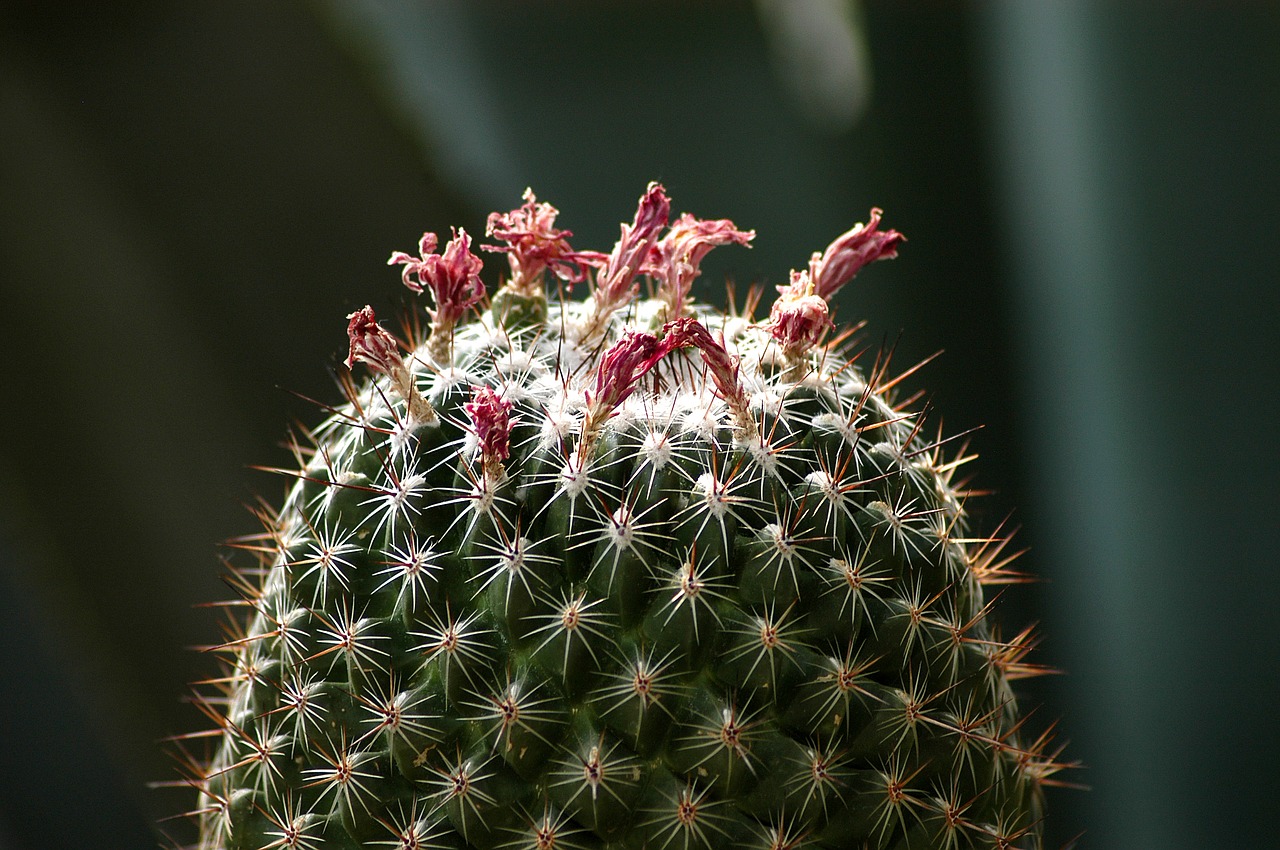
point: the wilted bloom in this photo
(799, 318)
(426, 248)
(802, 313)
(491, 422)
(850, 251)
(675, 259)
(534, 244)
(615, 281)
(371, 344)
(626, 361)
(687, 332)
(453, 279)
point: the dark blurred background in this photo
(194, 194)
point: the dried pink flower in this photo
(534, 244)
(622, 365)
(426, 248)
(491, 422)
(371, 344)
(849, 253)
(453, 278)
(675, 259)
(615, 282)
(625, 363)
(687, 332)
(801, 315)
(799, 318)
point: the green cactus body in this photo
(619, 573)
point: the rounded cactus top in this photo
(619, 572)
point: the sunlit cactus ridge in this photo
(618, 572)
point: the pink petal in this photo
(675, 260)
(371, 344)
(626, 361)
(491, 421)
(615, 283)
(850, 252)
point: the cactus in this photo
(619, 572)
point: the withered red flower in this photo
(675, 259)
(799, 318)
(615, 282)
(849, 253)
(491, 422)
(687, 332)
(371, 344)
(453, 277)
(802, 313)
(626, 361)
(535, 244)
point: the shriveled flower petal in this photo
(675, 259)
(615, 283)
(801, 315)
(846, 256)
(687, 332)
(534, 243)
(371, 344)
(453, 277)
(799, 318)
(454, 280)
(491, 422)
(626, 361)
(426, 247)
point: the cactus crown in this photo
(619, 572)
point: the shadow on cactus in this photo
(619, 572)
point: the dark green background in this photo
(194, 194)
